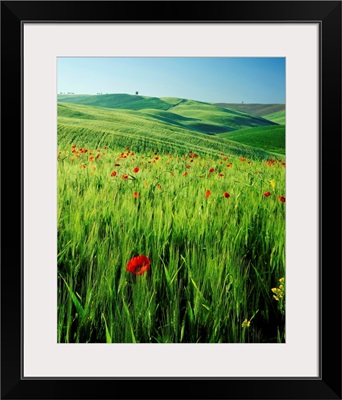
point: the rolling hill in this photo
(253, 109)
(161, 124)
(270, 138)
(271, 112)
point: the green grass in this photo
(214, 260)
(120, 101)
(254, 109)
(188, 114)
(278, 117)
(268, 138)
(94, 126)
(133, 173)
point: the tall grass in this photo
(216, 245)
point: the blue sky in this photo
(208, 79)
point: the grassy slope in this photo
(278, 117)
(161, 123)
(121, 101)
(189, 114)
(271, 138)
(93, 126)
(254, 109)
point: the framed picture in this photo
(170, 206)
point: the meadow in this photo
(166, 241)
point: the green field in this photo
(254, 109)
(208, 213)
(278, 117)
(270, 138)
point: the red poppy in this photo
(138, 265)
(226, 195)
(220, 175)
(124, 176)
(187, 166)
(267, 194)
(207, 193)
(211, 170)
(136, 169)
(136, 195)
(282, 199)
(113, 173)
(195, 155)
(73, 146)
(185, 174)
(242, 159)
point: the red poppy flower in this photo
(207, 193)
(136, 195)
(282, 199)
(220, 175)
(242, 159)
(138, 265)
(124, 176)
(113, 173)
(185, 174)
(267, 194)
(211, 170)
(136, 169)
(226, 195)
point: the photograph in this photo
(173, 178)
(171, 199)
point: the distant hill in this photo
(189, 114)
(260, 110)
(278, 117)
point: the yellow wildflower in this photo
(272, 182)
(246, 323)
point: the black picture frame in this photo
(328, 384)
